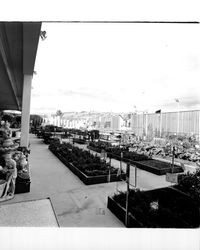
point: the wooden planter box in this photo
(156, 170)
(79, 141)
(22, 187)
(120, 211)
(176, 187)
(94, 149)
(145, 166)
(89, 180)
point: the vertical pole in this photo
(178, 120)
(160, 124)
(199, 125)
(137, 125)
(127, 194)
(173, 155)
(121, 156)
(26, 99)
(135, 176)
(177, 100)
(110, 161)
(146, 127)
(143, 131)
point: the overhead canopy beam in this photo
(4, 50)
(18, 48)
(31, 33)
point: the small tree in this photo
(59, 114)
(36, 120)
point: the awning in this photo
(18, 48)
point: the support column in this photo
(26, 99)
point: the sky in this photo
(117, 68)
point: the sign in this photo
(183, 166)
(173, 178)
(103, 154)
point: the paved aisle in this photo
(75, 204)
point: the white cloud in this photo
(116, 66)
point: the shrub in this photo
(87, 163)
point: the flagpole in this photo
(160, 124)
(127, 194)
(178, 114)
(121, 156)
(146, 127)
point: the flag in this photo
(158, 111)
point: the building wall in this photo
(115, 123)
(105, 122)
(163, 124)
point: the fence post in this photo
(135, 176)
(127, 194)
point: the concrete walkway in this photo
(75, 204)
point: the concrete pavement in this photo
(75, 204)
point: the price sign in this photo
(173, 178)
(103, 154)
(183, 166)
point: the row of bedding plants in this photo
(85, 164)
(189, 183)
(158, 208)
(47, 133)
(187, 148)
(158, 167)
(140, 160)
(79, 140)
(171, 207)
(115, 151)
